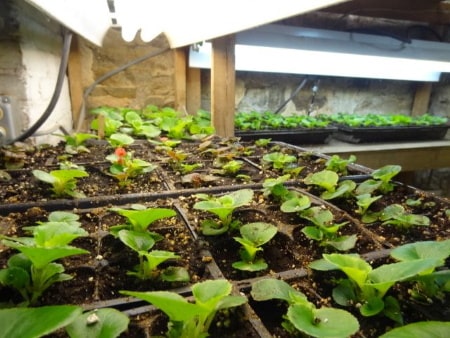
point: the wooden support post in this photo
(193, 90)
(75, 79)
(223, 85)
(421, 99)
(180, 65)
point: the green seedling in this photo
(364, 201)
(181, 126)
(339, 165)
(176, 159)
(200, 126)
(279, 161)
(325, 230)
(296, 202)
(149, 260)
(366, 287)
(110, 125)
(396, 215)
(253, 236)
(140, 220)
(229, 168)
(33, 270)
(275, 188)
(383, 120)
(139, 127)
(269, 120)
(98, 323)
(68, 165)
(124, 167)
(120, 140)
(367, 187)
(431, 284)
(223, 207)
(188, 319)
(14, 155)
(385, 175)
(435, 329)
(38, 321)
(302, 315)
(263, 142)
(63, 181)
(75, 143)
(420, 203)
(328, 180)
(198, 179)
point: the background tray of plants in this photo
(296, 129)
(356, 128)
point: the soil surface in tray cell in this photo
(288, 249)
(102, 273)
(24, 187)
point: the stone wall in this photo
(266, 91)
(30, 54)
(147, 82)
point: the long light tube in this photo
(282, 49)
(183, 22)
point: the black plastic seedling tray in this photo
(390, 134)
(297, 136)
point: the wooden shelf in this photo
(411, 156)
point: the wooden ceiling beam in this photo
(435, 12)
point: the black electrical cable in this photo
(56, 93)
(102, 78)
(301, 85)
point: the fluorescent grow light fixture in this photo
(295, 50)
(183, 22)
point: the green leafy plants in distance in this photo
(223, 207)
(140, 126)
(302, 315)
(63, 181)
(111, 125)
(253, 236)
(192, 319)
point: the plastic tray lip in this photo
(290, 135)
(343, 127)
(371, 134)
